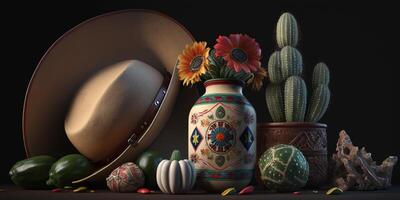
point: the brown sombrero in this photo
(132, 41)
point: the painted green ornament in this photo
(220, 113)
(220, 160)
(283, 168)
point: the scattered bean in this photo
(334, 191)
(247, 190)
(297, 193)
(57, 190)
(143, 191)
(228, 191)
(80, 189)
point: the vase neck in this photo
(223, 86)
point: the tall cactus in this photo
(295, 99)
(320, 75)
(286, 31)
(319, 103)
(291, 62)
(287, 94)
(274, 68)
(274, 96)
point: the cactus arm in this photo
(319, 103)
(274, 98)
(320, 75)
(295, 99)
(274, 68)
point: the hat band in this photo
(151, 112)
(145, 122)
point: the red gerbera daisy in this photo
(241, 52)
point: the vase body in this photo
(309, 138)
(222, 136)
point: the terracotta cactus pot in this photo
(310, 138)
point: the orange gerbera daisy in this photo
(241, 52)
(192, 63)
(257, 80)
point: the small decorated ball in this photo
(125, 178)
(283, 168)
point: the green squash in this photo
(67, 169)
(32, 173)
(283, 168)
(148, 162)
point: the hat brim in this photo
(144, 35)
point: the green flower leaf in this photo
(216, 60)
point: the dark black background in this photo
(357, 41)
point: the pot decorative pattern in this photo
(222, 136)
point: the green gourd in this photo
(286, 30)
(295, 99)
(32, 173)
(274, 68)
(291, 62)
(67, 169)
(148, 162)
(320, 75)
(319, 103)
(274, 97)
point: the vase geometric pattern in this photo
(247, 138)
(226, 175)
(214, 98)
(196, 138)
(222, 137)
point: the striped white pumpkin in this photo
(175, 176)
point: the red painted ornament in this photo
(126, 178)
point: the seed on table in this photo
(143, 191)
(247, 190)
(57, 190)
(228, 191)
(334, 191)
(80, 189)
(297, 193)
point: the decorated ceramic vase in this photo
(222, 136)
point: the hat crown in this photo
(110, 104)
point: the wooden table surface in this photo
(12, 192)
